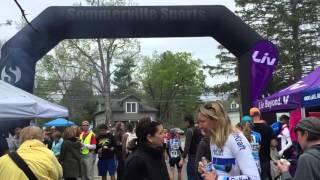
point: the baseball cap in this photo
(310, 124)
(254, 110)
(173, 131)
(246, 119)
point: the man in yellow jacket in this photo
(36, 155)
(88, 140)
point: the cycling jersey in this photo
(174, 146)
(234, 161)
(255, 146)
(285, 138)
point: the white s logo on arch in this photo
(13, 77)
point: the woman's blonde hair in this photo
(31, 132)
(216, 112)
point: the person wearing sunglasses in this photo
(230, 150)
(147, 160)
(308, 133)
(88, 142)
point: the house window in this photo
(131, 107)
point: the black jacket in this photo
(266, 136)
(146, 163)
(118, 141)
(109, 143)
(193, 137)
(70, 158)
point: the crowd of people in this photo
(213, 150)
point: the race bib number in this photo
(174, 154)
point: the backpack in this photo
(276, 128)
(131, 136)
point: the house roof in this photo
(127, 97)
(117, 105)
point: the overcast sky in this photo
(203, 48)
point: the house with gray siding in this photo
(232, 106)
(126, 109)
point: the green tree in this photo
(173, 82)
(101, 53)
(123, 78)
(56, 70)
(64, 77)
(80, 100)
(293, 25)
(227, 67)
(90, 60)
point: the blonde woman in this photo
(230, 150)
(40, 160)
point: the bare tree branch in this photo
(95, 86)
(97, 67)
(85, 54)
(24, 15)
(113, 71)
(104, 69)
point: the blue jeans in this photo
(191, 171)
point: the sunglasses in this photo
(214, 106)
(85, 125)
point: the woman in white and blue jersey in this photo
(230, 150)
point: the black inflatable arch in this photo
(20, 54)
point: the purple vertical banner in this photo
(264, 59)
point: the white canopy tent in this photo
(18, 104)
